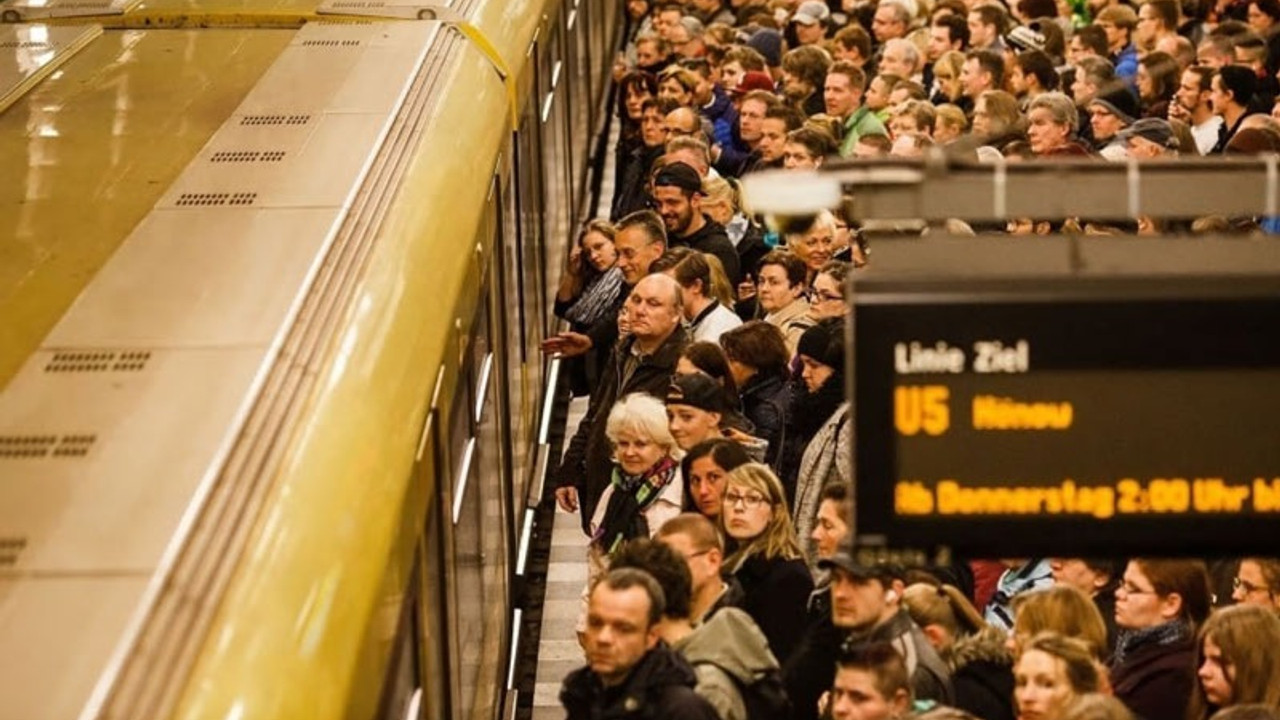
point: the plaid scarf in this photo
(632, 495)
(1169, 633)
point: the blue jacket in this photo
(722, 115)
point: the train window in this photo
(401, 692)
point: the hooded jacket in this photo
(712, 239)
(728, 651)
(659, 686)
(722, 115)
(982, 675)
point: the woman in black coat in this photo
(767, 562)
(757, 355)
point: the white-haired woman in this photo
(646, 489)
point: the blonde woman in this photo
(766, 562)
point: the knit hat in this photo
(1118, 100)
(698, 390)
(824, 343)
(1026, 37)
(754, 80)
(767, 42)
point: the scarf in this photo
(632, 495)
(596, 299)
(1169, 633)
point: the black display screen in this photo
(1085, 421)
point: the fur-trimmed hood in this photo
(987, 645)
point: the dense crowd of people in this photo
(711, 470)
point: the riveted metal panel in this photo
(200, 277)
(134, 455)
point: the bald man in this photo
(642, 362)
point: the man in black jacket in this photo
(866, 607)
(642, 362)
(677, 191)
(630, 672)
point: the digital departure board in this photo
(1118, 398)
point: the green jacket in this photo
(861, 122)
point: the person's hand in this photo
(739, 436)
(567, 498)
(567, 344)
(1178, 112)
(823, 701)
(573, 265)
(619, 67)
(746, 288)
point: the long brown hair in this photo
(1248, 637)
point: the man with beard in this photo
(1191, 105)
(677, 193)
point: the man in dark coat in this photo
(677, 190)
(630, 672)
(866, 608)
(642, 362)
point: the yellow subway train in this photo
(272, 412)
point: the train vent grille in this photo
(85, 5)
(357, 5)
(330, 43)
(25, 45)
(32, 447)
(98, 361)
(10, 548)
(275, 119)
(215, 199)
(247, 156)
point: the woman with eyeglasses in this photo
(1256, 583)
(1159, 606)
(775, 580)
(827, 300)
(1237, 661)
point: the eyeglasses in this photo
(1239, 583)
(749, 502)
(828, 297)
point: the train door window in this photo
(402, 691)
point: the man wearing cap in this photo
(1230, 94)
(1150, 138)
(810, 22)
(866, 608)
(1191, 105)
(677, 194)
(1110, 111)
(842, 93)
(1118, 22)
